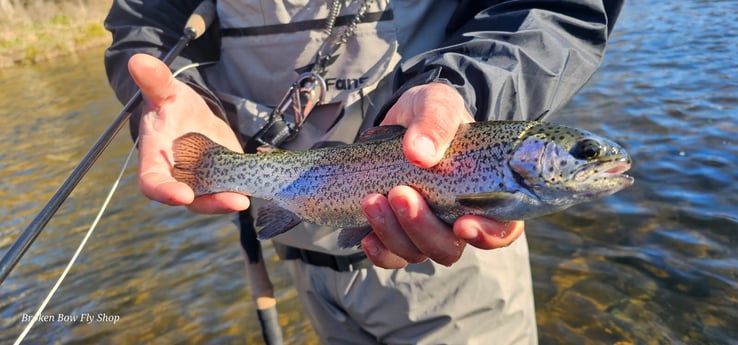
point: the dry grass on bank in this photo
(36, 30)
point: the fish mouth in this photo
(612, 171)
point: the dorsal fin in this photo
(324, 144)
(381, 132)
(540, 117)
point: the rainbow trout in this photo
(504, 170)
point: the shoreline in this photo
(43, 31)
(30, 56)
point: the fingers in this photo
(486, 233)
(380, 255)
(432, 114)
(164, 189)
(175, 109)
(157, 183)
(407, 229)
(155, 166)
(388, 230)
(219, 203)
(428, 233)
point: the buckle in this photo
(342, 264)
(306, 92)
(339, 263)
(350, 263)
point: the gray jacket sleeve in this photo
(516, 59)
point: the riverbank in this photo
(40, 30)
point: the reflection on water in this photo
(654, 264)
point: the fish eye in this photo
(586, 149)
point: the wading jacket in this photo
(509, 60)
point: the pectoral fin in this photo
(351, 237)
(488, 200)
(275, 221)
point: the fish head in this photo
(563, 166)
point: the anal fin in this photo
(275, 220)
(351, 237)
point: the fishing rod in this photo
(196, 25)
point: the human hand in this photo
(405, 229)
(174, 109)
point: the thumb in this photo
(438, 110)
(153, 77)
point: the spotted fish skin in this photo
(507, 170)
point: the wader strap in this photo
(338, 263)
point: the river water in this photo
(654, 264)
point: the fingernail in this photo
(425, 145)
(375, 213)
(501, 234)
(370, 247)
(401, 206)
(501, 231)
(475, 234)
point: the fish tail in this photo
(189, 155)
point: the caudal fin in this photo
(189, 154)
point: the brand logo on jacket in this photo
(345, 83)
(342, 83)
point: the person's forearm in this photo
(518, 59)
